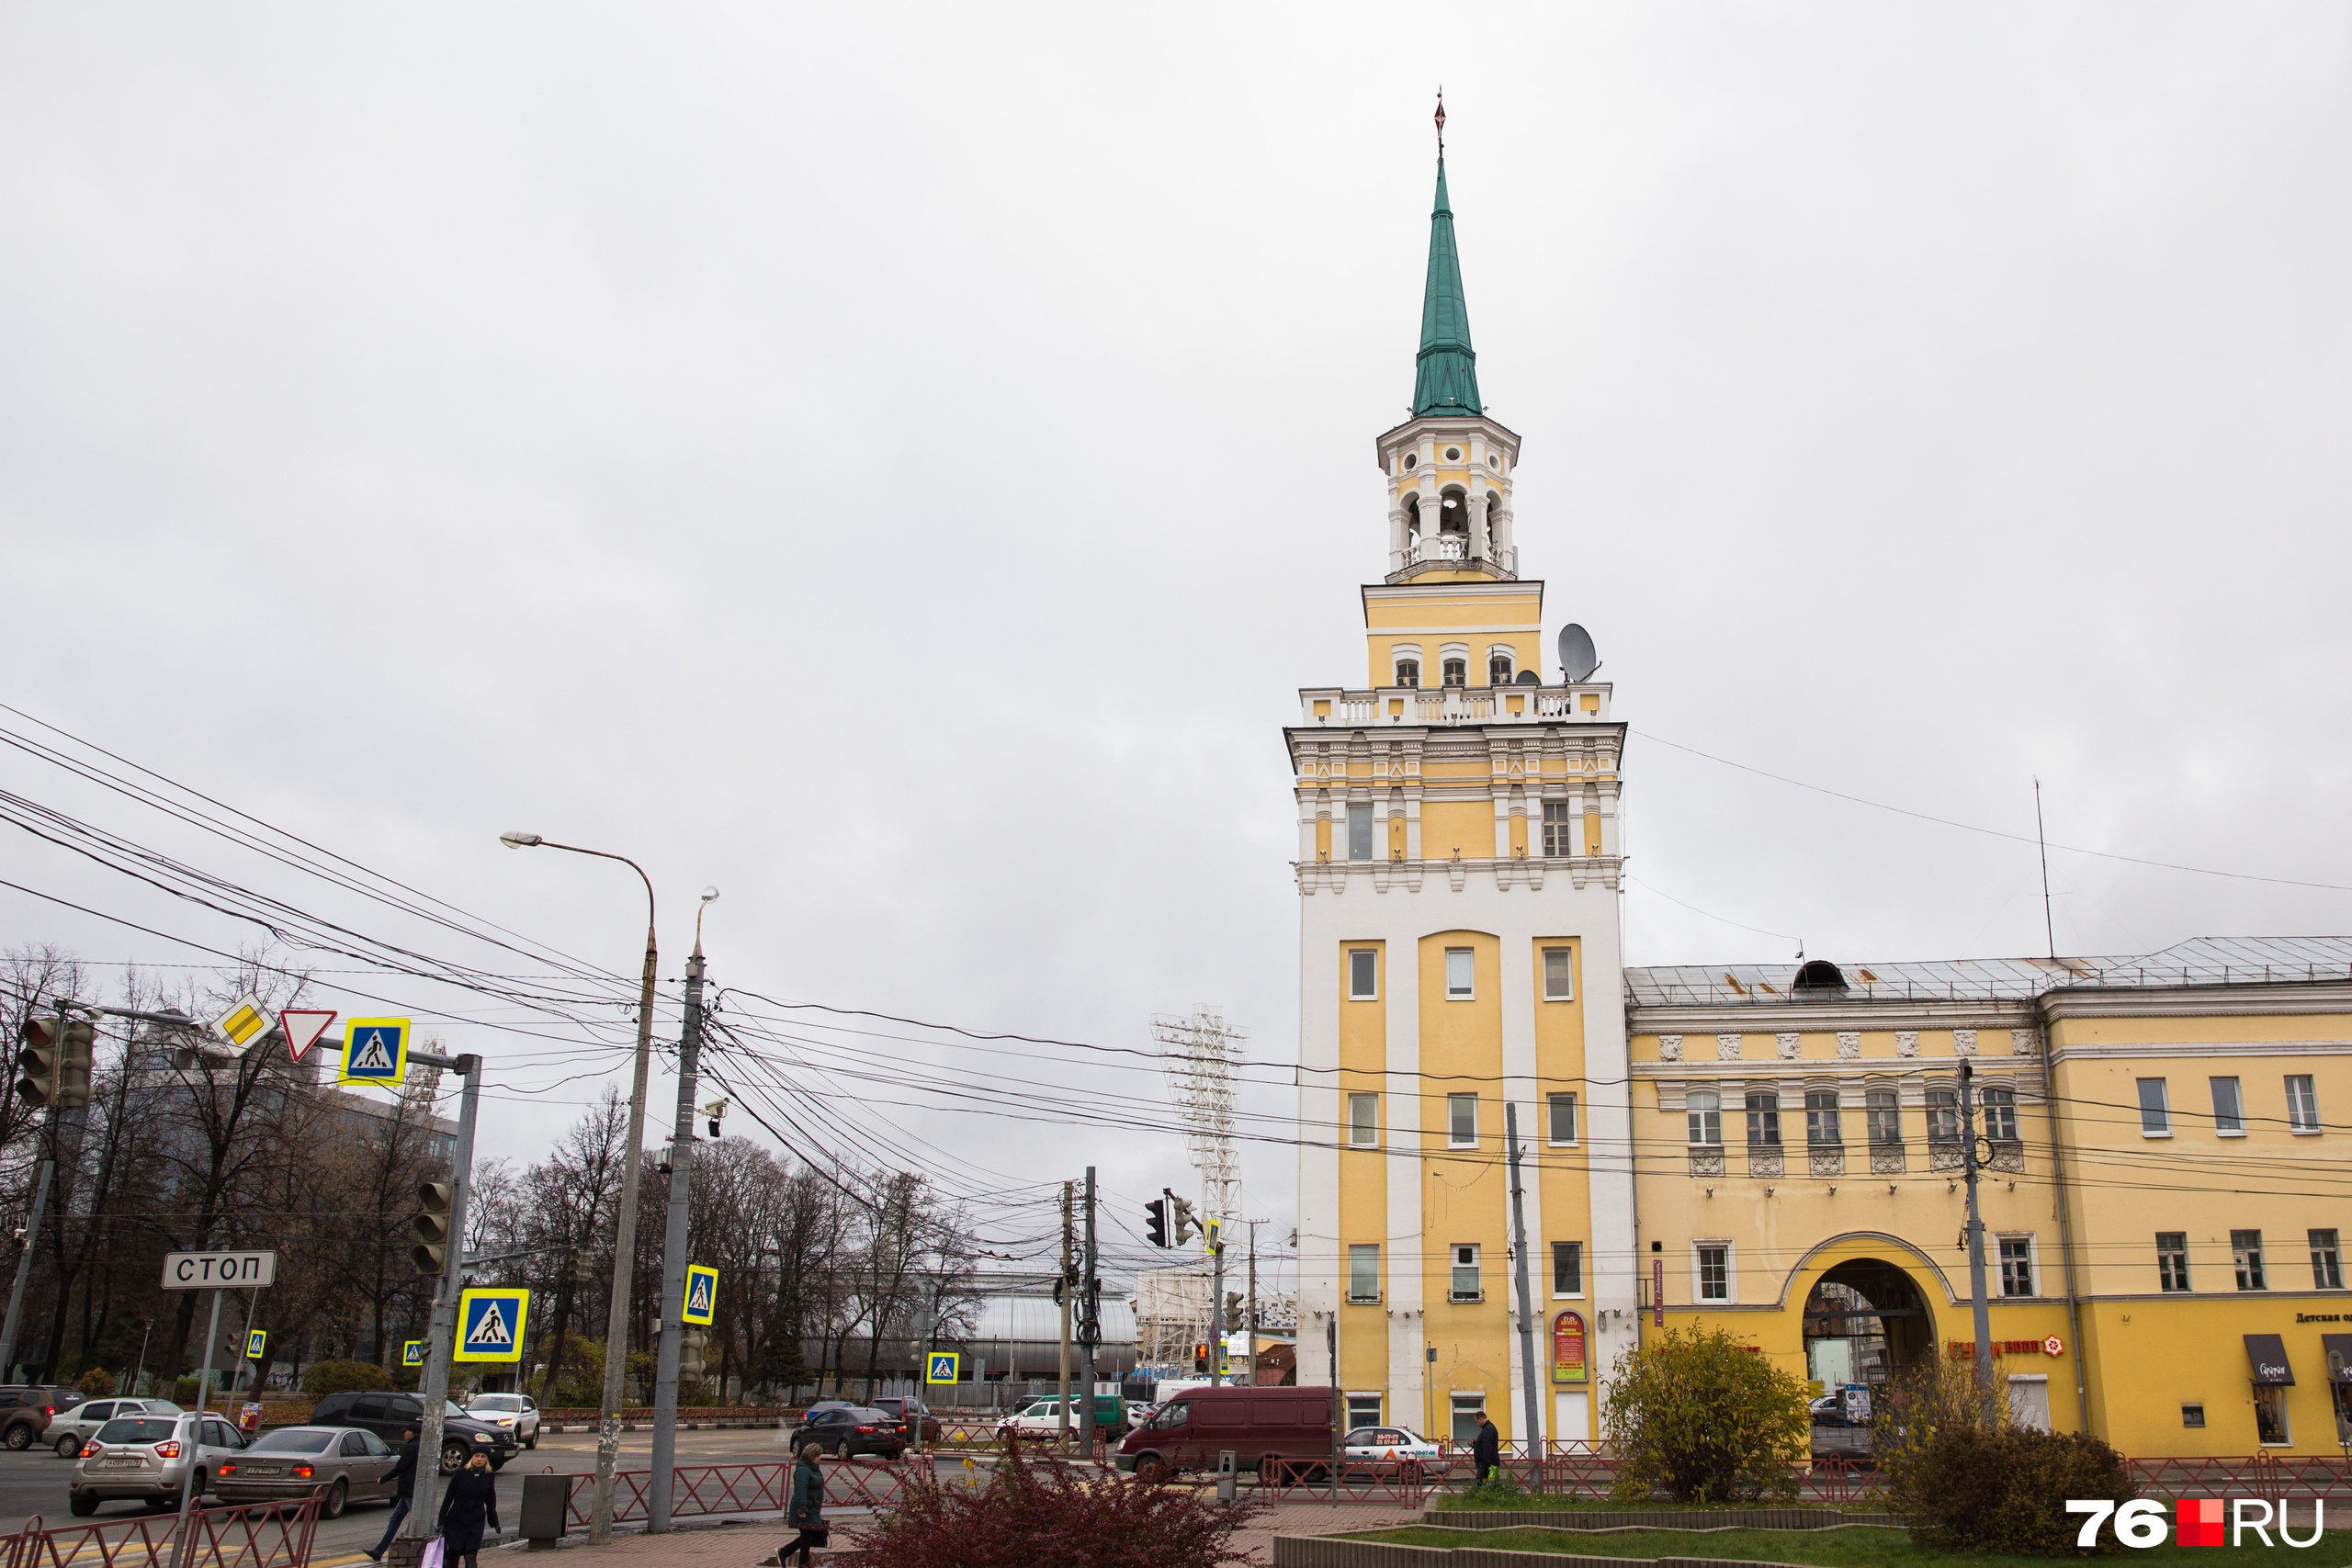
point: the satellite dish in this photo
(1578, 659)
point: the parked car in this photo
(68, 1430)
(147, 1458)
(1255, 1423)
(343, 1464)
(1385, 1443)
(1044, 1416)
(908, 1412)
(847, 1430)
(389, 1415)
(515, 1412)
(26, 1409)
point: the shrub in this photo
(1500, 1490)
(97, 1381)
(1695, 1414)
(1933, 1397)
(323, 1378)
(2005, 1490)
(1046, 1514)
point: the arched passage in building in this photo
(1866, 1321)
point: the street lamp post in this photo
(608, 1412)
(674, 1244)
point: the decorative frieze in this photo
(1906, 1042)
(1669, 1047)
(1787, 1041)
(2021, 1041)
(1765, 1160)
(1964, 1041)
(1707, 1161)
(1849, 1045)
(1829, 1160)
(1727, 1048)
(1887, 1159)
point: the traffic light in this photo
(1200, 1358)
(1235, 1320)
(1156, 1226)
(432, 1222)
(40, 1052)
(583, 1266)
(74, 1064)
(1187, 1228)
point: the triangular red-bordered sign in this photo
(303, 1026)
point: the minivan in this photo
(1193, 1428)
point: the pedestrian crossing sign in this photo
(942, 1367)
(412, 1353)
(255, 1343)
(702, 1295)
(375, 1050)
(490, 1324)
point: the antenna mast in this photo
(1201, 1052)
(2049, 932)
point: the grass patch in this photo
(1855, 1546)
(1536, 1502)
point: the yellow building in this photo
(1778, 1151)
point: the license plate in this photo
(263, 1470)
(132, 1463)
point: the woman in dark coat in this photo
(470, 1503)
(806, 1509)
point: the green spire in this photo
(1446, 380)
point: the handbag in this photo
(818, 1534)
(431, 1557)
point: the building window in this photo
(1563, 1108)
(1409, 672)
(1363, 1271)
(2270, 1427)
(2246, 1247)
(1943, 1116)
(1714, 1264)
(1706, 1114)
(2303, 1104)
(1821, 1129)
(1461, 975)
(2172, 1260)
(2192, 1416)
(1455, 672)
(2017, 1266)
(1363, 974)
(1559, 842)
(1559, 965)
(1465, 1408)
(2001, 1115)
(1763, 1119)
(1464, 1286)
(1884, 1116)
(1499, 671)
(2155, 1110)
(1461, 1119)
(1567, 1268)
(2327, 1269)
(1363, 1120)
(2229, 1109)
(1360, 831)
(1364, 1409)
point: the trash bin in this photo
(547, 1508)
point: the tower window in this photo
(1409, 672)
(1559, 975)
(1499, 671)
(1453, 453)
(1556, 840)
(1360, 829)
(1363, 974)
(1454, 513)
(1493, 461)
(1456, 672)
(1413, 461)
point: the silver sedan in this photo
(343, 1464)
(147, 1458)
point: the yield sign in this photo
(303, 1026)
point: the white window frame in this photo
(1402, 653)
(1567, 993)
(2335, 1259)
(2160, 1110)
(1355, 1099)
(1731, 1272)
(1558, 1294)
(1453, 1139)
(1562, 846)
(2230, 1124)
(2240, 1275)
(2032, 1264)
(1355, 1399)
(1469, 990)
(2295, 1123)
(1371, 830)
(2188, 1278)
(1368, 995)
(1699, 1119)
(1354, 1250)
(1551, 1121)
(1454, 1252)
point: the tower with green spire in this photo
(1445, 378)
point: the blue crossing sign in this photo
(490, 1324)
(255, 1343)
(942, 1367)
(702, 1295)
(412, 1353)
(375, 1050)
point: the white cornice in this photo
(2256, 999)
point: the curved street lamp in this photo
(608, 1413)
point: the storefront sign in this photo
(1567, 1348)
(1965, 1349)
(2268, 1354)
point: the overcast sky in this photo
(898, 466)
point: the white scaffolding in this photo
(1201, 1055)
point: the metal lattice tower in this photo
(1201, 1052)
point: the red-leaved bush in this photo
(1044, 1513)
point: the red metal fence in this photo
(1399, 1482)
(705, 1490)
(244, 1535)
(2277, 1477)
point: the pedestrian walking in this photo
(404, 1474)
(472, 1502)
(806, 1509)
(1485, 1449)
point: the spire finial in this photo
(1441, 122)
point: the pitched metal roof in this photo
(1445, 378)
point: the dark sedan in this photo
(845, 1431)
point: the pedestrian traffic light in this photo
(1156, 1228)
(1187, 1228)
(432, 1222)
(1235, 1320)
(1200, 1358)
(40, 1052)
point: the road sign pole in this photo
(245, 1345)
(24, 1267)
(673, 1257)
(194, 1440)
(441, 1338)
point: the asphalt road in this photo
(35, 1481)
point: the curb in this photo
(1687, 1519)
(1323, 1552)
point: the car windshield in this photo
(1174, 1415)
(160, 1407)
(296, 1441)
(451, 1407)
(138, 1429)
(863, 1415)
(502, 1403)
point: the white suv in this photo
(515, 1412)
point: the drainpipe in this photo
(2065, 1226)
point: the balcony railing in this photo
(1333, 707)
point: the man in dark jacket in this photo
(404, 1473)
(1485, 1449)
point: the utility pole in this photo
(67, 1110)
(1216, 1302)
(674, 1243)
(1089, 1325)
(1069, 1288)
(1249, 1317)
(1526, 1306)
(441, 1338)
(1983, 1311)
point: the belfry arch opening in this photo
(1866, 1321)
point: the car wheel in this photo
(19, 1437)
(841, 1448)
(453, 1455)
(331, 1506)
(68, 1446)
(1151, 1470)
(82, 1506)
(532, 1442)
